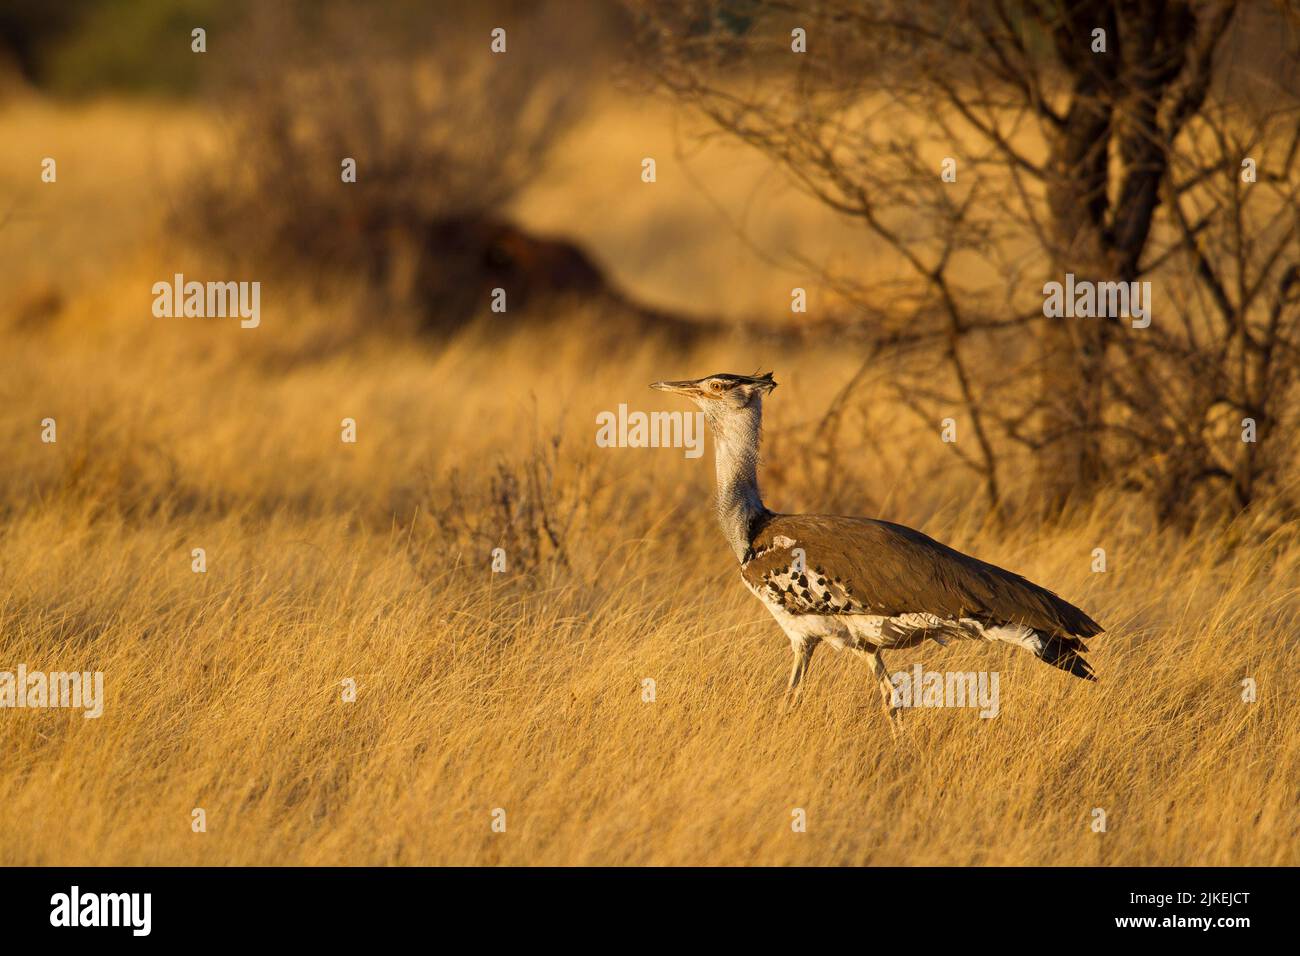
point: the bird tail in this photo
(1066, 653)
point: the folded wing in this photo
(865, 566)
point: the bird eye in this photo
(716, 386)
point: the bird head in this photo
(718, 395)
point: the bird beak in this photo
(681, 388)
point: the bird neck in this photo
(735, 444)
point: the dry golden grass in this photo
(522, 691)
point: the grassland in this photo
(523, 691)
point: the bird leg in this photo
(803, 652)
(877, 661)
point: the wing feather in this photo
(889, 569)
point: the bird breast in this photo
(806, 590)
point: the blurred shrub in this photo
(443, 133)
(29, 28)
(94, 46)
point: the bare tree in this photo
(1099, 138)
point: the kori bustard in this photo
(859, 583)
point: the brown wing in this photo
(877, 567)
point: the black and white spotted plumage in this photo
(869, 574)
